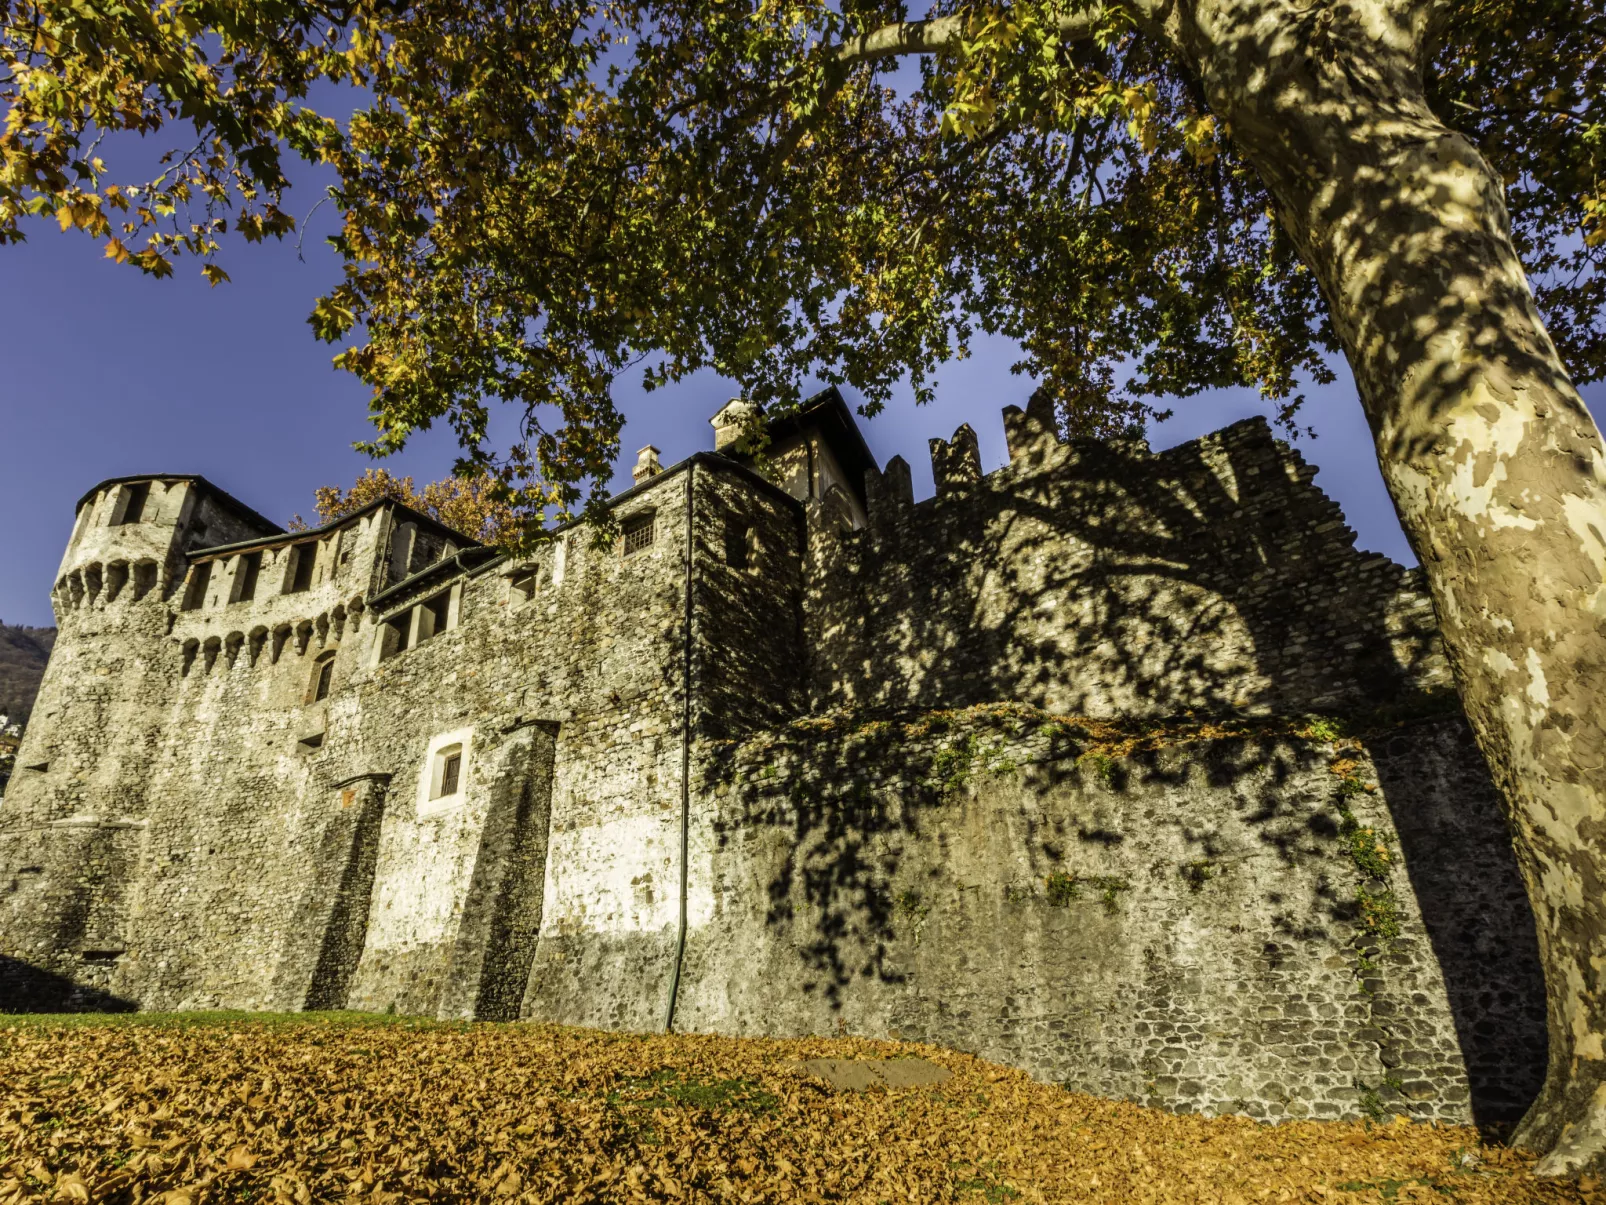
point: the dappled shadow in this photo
(918, 867)
(1103, 579)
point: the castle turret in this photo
(75, 805)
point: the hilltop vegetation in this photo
(23, 653)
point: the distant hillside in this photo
(23, 653)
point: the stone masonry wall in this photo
(1178, 926)
(1103, 579)
(288, 853)
(1177, 918)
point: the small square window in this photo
(638, 533)
(446, 776)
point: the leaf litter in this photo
(192, 1109)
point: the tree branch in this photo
(930, 36)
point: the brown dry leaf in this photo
(72, 1188)
(321, 1109)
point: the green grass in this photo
(671, 1088)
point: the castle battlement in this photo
(793, 751)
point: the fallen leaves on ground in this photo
(189, 1112)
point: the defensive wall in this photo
(1045, 767)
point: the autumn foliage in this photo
(189, 1111)
(474, 506)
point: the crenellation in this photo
(790, 753)
(956, 462)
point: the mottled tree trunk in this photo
(1496, 468)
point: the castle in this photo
(1035, 768)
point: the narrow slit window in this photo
(245, 577)
(638, 533)
(200, 579)
(326, 674)
(447, 776)
(737, 536)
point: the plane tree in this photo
(1153, 197)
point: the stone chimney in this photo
(646, 464)
(735, 419)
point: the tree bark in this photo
(1496, 468)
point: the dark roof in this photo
(223, 496)
(313, 533)
(829, 413)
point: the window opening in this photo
(245, 577)
(638, 532)
(736, 538)
(134, 500)
(447, 772)
(396, 638)
(523, 586)
(326, 673)
(433, 613)
(301, 573)
(200, 579)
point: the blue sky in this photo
(109, 372)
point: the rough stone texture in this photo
(202, 817)
(1103, 579)
(904, 883)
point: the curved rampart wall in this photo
(1181, 925)
(1103, 579)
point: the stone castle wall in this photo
(200, 828)
(1178, 926)
(1104, 579)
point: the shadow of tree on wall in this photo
(866, 807)
(30, 989)
(1099, 578)
(1492, 973)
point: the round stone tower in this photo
(74, 822)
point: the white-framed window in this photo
(443, 779)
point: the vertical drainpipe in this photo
(685, 767)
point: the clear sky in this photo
(109, 372)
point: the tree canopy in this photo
(475, 506)
(539, 197)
